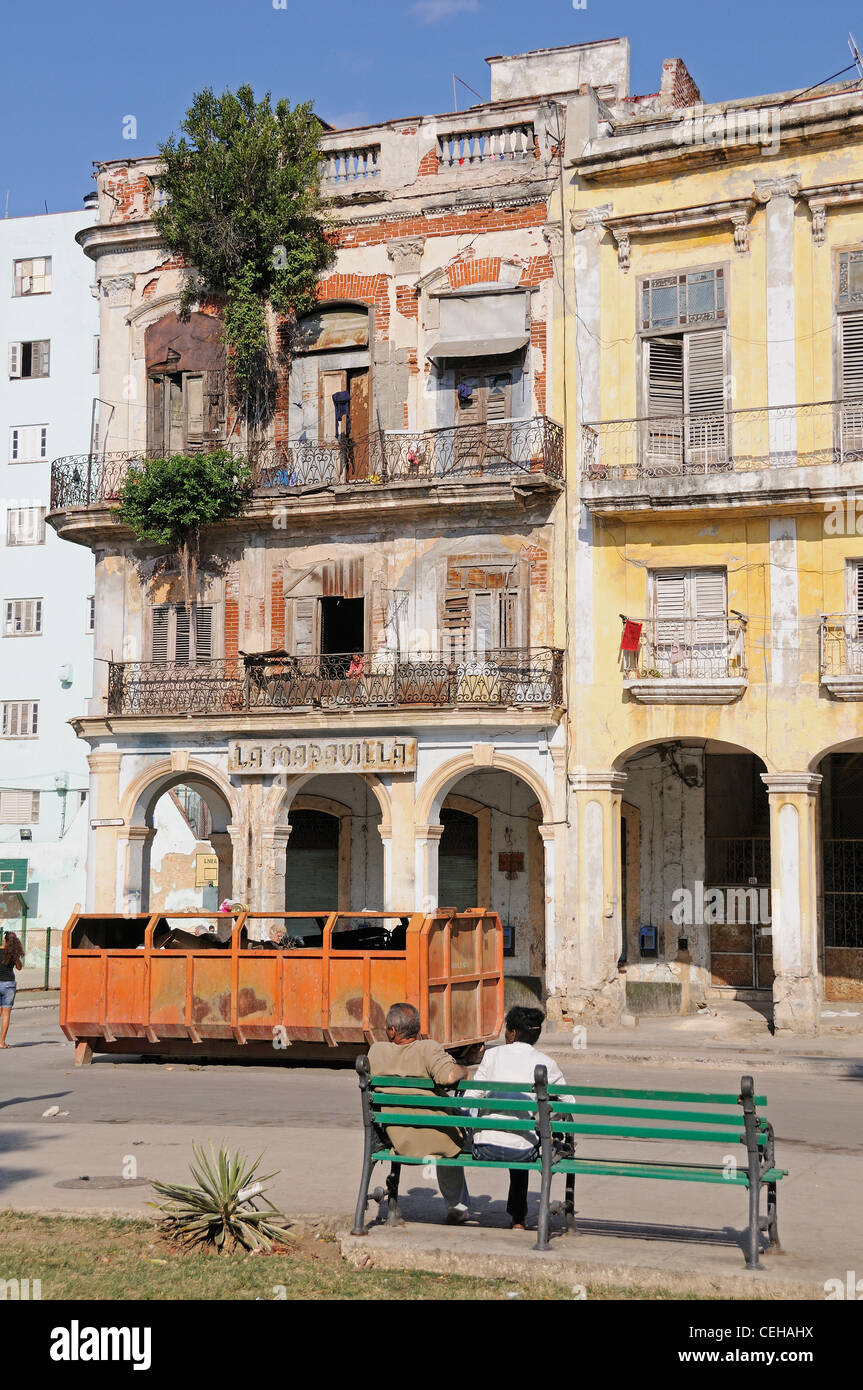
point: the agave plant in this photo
(220, 1210)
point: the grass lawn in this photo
(104, 1258)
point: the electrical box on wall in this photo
(647, 942)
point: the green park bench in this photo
(561, 1114)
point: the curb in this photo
(721, 1058)
(532, 1266)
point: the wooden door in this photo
(358, 454)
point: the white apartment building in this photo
(48, 379)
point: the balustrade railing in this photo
(356, 164)
(523, 677)
(840, 643)
(732, 441)
(486, 145)
(709, 648)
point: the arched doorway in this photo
(490, 855)
(335, 856)
(181, 858)
(695, 849)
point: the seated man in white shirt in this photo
(514, 1062)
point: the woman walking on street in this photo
(11, 959)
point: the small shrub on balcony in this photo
(168, 500)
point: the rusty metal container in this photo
(287, 985)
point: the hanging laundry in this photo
(736, 653)
(464, 392)
(342, 403)
(631, 636)
(676, 652)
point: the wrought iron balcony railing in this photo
(841, 644)
(520, 678)
(507, 448)
(732, 441)
(711, 648)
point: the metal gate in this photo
(741, 945)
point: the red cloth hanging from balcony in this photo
(631, 636)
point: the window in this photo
(182, 413)
(20, 719)
(684, 371)
(175, 639)
(32, 276)
(91, 613)
(23, 617)
(688, 622)
(19, 807)
(25, 526)
(28, 443)
(849, 308)
(30, 359)
(479, 620)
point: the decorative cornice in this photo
(610, 781)
(791, 783)
(654, 690)
(590, 217)
(553, 236)
(826, 196)
(117, 289)
(735, 212)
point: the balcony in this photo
(726, 459)
(513, 451)
(689, 661)
(524, 678)
(840, 647)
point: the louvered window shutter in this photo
(855, 627)
(705, 378)
(456, 625)
(497, 398)
(852, 356)
(203, 634)
(39, 359)
(182, 630)
(709, 605)
(303, 620)
(664, 392)
(160, 636)
(509, 616)
(669, 607)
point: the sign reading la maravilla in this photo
(299, 755)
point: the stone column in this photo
(779, 196)
(427, 844)
(400, 884)
(273, 866)
(103, 869)
(793, 882)
(133, 856)
(223, 850)
(587, 983)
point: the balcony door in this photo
(179, 637)
(688, 625)
(483, 409)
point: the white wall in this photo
(59, 573)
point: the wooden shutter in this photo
(302, 616)
(213, 405)
(509, 619)
(156, 415)
(40, 358)
(328, 384)
(852, 356)
(193, 390)
(203, 634)
(176, 413)
(15, 359)
(456, 625)
(471, 411)
(669, 607)
(484, 635)
(498, 387)
(664, 395)
(708, 605)
(159, 647)
(705, 378)
(182, 636)
(19, 807)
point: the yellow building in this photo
(714, 413)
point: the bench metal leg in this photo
(359, 1227)
(569, 1205)
(772, 1216)
(394, 1216)
(542, 1224)
(753, 1235)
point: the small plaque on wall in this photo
(511, 863)
(508, 940)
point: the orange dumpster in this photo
(283, 985)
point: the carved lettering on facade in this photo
(299, 755)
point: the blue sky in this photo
(71, 72)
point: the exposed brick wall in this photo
(406, 301)
(538, 558)
(538, 268)
(277, 597)
(150, 288)
(474, 272)
(366, 289)
(678, 87)
(428, 164)
(444, 224)
(232, 617)
(131, 194)
(538, 340)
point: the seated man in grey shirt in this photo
(405, 1053)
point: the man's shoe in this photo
(457, 1216)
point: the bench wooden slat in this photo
(418, 1083)
(463, 1161)
(699, 1117)
(452, 1122)
(696, 1136)
(692, 1097)
(465, 1103)
(631, 1168)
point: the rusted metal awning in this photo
(477, 347)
